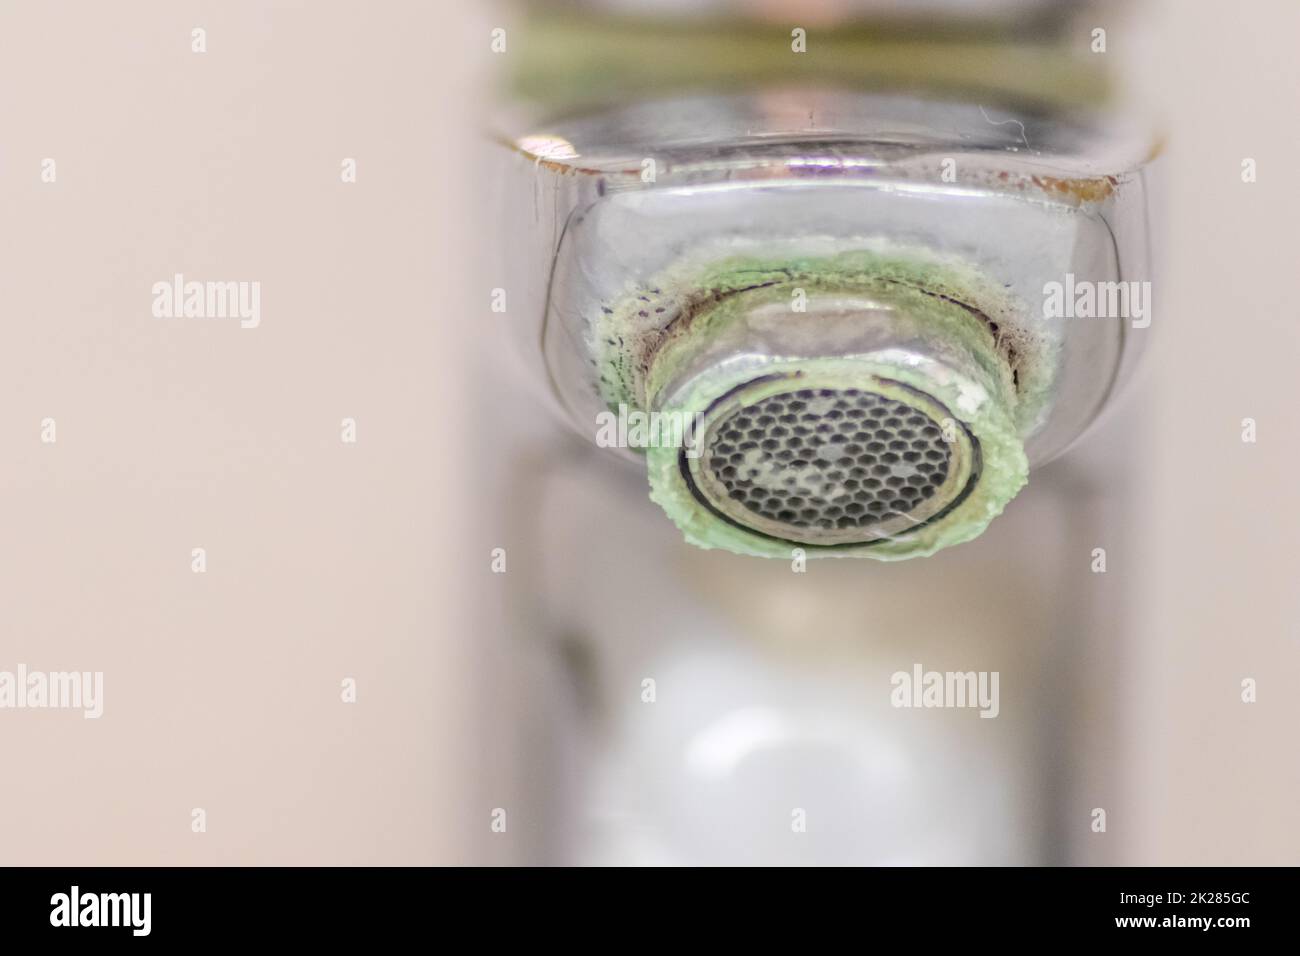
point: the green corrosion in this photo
(629, 335)
(968, 373)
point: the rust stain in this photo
(1080, 190)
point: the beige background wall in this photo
(325, 560)
(1215, 780)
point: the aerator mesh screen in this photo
(824, 459)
